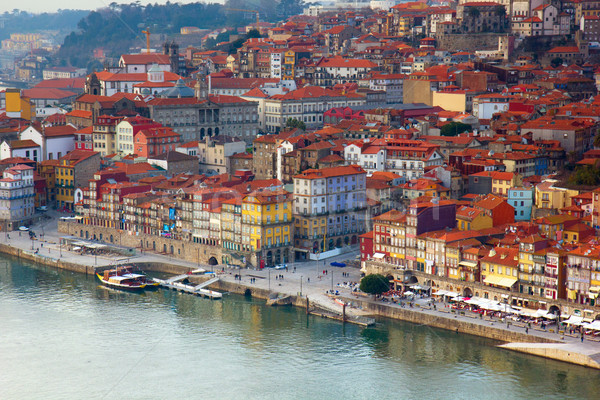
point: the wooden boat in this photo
(124, 278)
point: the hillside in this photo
(119, 27)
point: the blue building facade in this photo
(522, 199)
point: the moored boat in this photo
(124, 278)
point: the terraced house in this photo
(329, 208)
(267, 226)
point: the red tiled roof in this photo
(145, 59)
(341, 62)
(330, 172)
(222, 99)
(564, 49)
(42, 93)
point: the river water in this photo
(62, 336)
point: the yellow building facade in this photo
(267, 225)
(64, 183)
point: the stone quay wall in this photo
(447, 322)
(188, 251)
(479, 289)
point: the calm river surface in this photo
(62, 336)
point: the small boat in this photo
(124, 278)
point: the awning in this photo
(440, 292)
(378, 255)
(469, 264)
(500, 281)
(574, 320)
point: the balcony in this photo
(549, 285)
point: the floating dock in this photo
(174, 283)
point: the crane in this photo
(147, 33)
(250, 11)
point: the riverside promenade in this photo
(307, 279)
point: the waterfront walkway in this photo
(304, 278)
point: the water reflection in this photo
(239, 348)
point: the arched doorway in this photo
(338, 243)
(286, 257)
(554, 310)
(269, 258)
(315, 246)
(212, 261)
(354, 239)
(467, 292)
(278, 257)
(330, 244)
(346, 240)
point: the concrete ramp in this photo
(207, 283)
(574, 353)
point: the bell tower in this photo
(201, 87)
(92, 85)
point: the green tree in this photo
(555, 62)
(454, 129)
(474, 12)
(374, 284)
(587, 175)
(287, 8)
(294, 123)
(253, 33)
(597, 140)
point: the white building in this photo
(486, 105)
(17, 197)
(407, 158)
(392, 85)
(276, 64)
(21, 148)
(136, 63)
(371, 158)
(63, 72)
(334, 70)
(55, 141)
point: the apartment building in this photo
(329, 208)
(16, 197)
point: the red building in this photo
(154, 141)
(498, 208)
(366, 246)
(84, 139)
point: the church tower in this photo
(201, 87)
(92, 85)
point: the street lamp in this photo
(60, 247)
(300, 285)
(269, 272)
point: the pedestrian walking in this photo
(526, 329)
(581, 337)
(294, 269)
